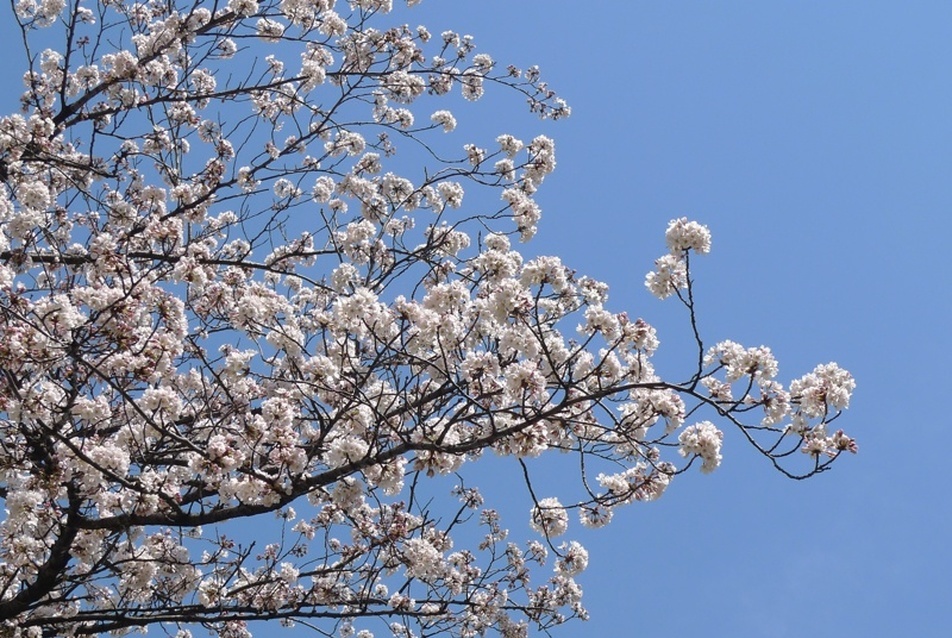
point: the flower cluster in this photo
(671, 270)
(704, 440)
(224, 295)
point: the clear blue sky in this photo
(815, 139)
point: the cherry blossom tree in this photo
(241, 285)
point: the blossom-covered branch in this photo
(247, 271)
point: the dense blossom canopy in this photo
(240, 278)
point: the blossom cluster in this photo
(671, 270)
(225, 296)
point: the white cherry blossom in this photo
(261, 319)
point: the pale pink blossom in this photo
(687, 235)
(549, 518)
(258, 311)
(445, 119)
(704, 440)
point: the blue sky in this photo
(815, 139)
